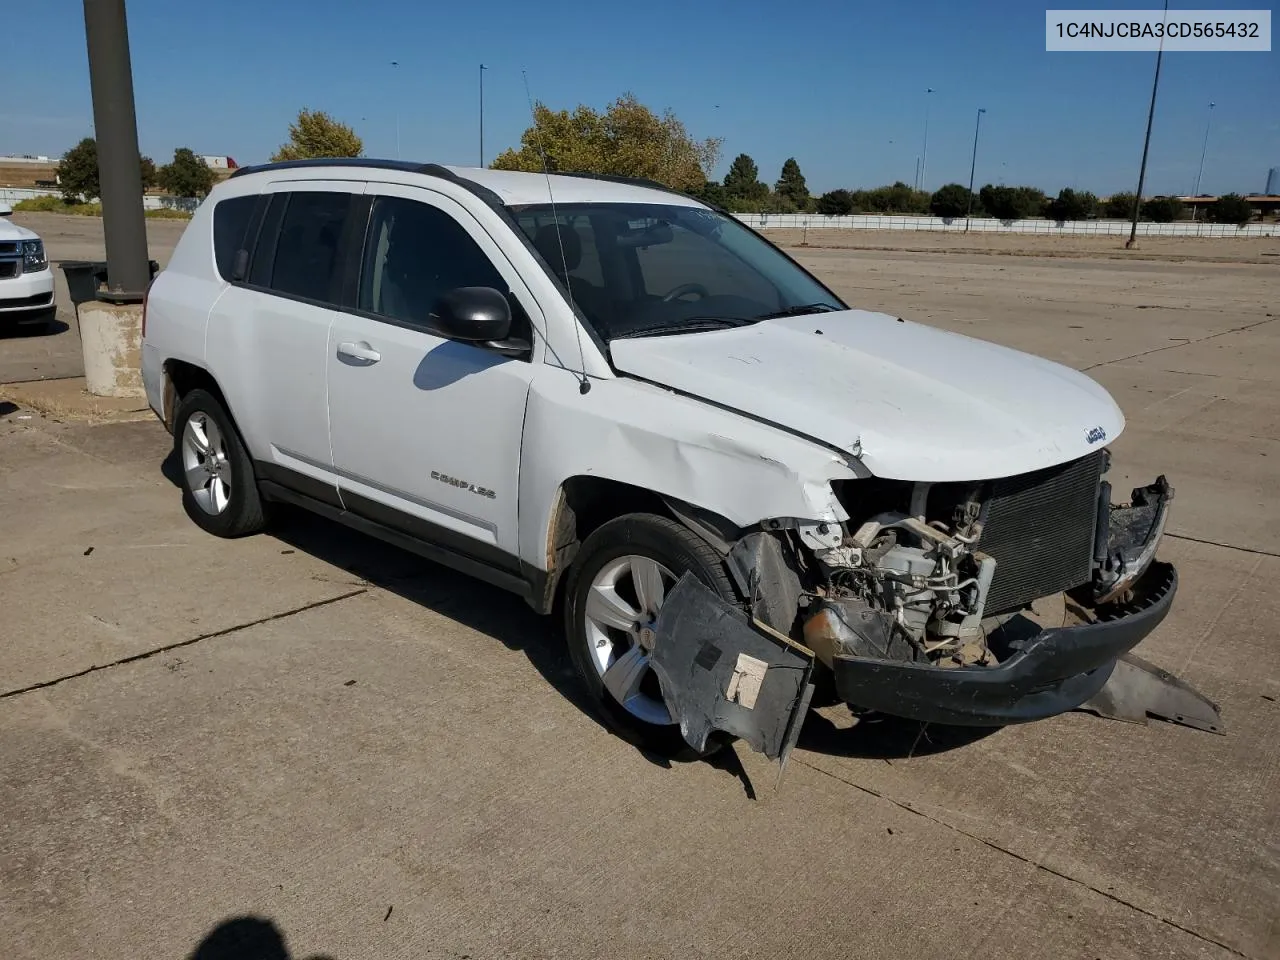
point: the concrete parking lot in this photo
(381, 758)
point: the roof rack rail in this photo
(614, 178)
(406, 166)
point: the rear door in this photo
(426, 431)
(268, 333)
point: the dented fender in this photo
(676, 446)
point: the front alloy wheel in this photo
(615, 591)
(622, 609)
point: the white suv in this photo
(26, 281)
(614, 400)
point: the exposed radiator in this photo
(1039, 527)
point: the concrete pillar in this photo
(111, 335)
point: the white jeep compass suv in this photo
(618, 402)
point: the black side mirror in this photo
(472, 314)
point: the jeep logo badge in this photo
(1095, 434)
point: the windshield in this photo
(646, 269)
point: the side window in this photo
(230, 221)
(416, 253)
(306, 261)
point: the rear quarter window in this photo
(230, 223)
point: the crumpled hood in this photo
(11, 231)
(911, 401)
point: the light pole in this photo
(973, 165)
(1203, 150)
(119, 166)
(1146, 143)
(924, 153)
(395, 88)
(482, 69)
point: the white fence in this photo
(1075, 228)
(12, 195)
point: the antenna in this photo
(584, 385)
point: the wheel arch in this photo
(586, 502)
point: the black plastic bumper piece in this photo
(1053, 672)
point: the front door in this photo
(426, 431)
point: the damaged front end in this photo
(984, 603)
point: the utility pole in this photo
(1146, 143)
(119, 162)
(924, 153)
(396, 90)
(1203, 150)
(973, 166)
(482, 70)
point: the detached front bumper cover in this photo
(1055, 671)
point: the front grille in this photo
(9, 248)
(9, 268)
(1039, 528)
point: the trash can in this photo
(84, 277)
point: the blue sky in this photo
(839, 85)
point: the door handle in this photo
(360, 352)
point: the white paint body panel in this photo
(25, 285)
(432, 406)
(914, 402)
(674, 445)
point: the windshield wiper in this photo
(799, 311)
(687, 325)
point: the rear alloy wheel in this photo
(616, 589)
(219, 489)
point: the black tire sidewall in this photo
(677, 549)
(244, 509)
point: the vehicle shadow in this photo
(465, 600)
(31, 330)
(244, 938)
(882, 737)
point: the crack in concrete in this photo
(1175, 346)
(146, 654)
(1224, 546)
(902, 805)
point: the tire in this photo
(227, 502)
(611, 560)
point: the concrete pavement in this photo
(384, 758)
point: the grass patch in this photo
(58, 205)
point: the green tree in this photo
(1118, 206)
(950, 201)
(186, 176)
(791, 185)
(711, 193)
(1011, 203)
(1162, 209)
(1070, 205)
(897, 198)
(316, 134)
(1230, 208)
(149, 173)
(836, 203)
(78, 172)
(742, 187)
(627, 140)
